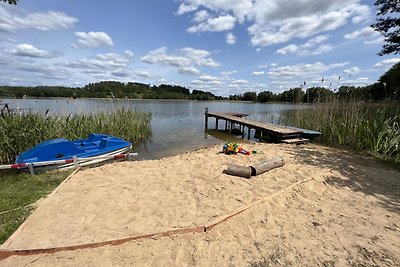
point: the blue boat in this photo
(96, 145)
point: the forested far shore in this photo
(387, 87)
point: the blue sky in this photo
(221, 46)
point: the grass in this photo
(21, 132)
(18, 191)
(363, 127)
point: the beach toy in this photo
(230, 148)
(244, 151)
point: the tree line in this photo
(387, 87)
(109, 89)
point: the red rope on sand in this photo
(4, 254)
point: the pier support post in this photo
(248, 133)
(206, 118)
(216, 123)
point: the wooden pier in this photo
(274, 132)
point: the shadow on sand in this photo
(362, 174)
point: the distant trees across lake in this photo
(387, 87)
(109, 89)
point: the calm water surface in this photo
(177, 126)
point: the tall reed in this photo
(21, 132)
(374, 128)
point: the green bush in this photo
(374, 128)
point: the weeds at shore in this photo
(372, 128)
(21, 132)
(17, 194)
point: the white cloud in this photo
(365, 32)
(183, 8)
(353, 70)
(387, 63)
(278, 21)
(228, 73)
(185, 60)
(239, 8)
(289, 49)
(302, 70)
(129, 53)
(101, 62)
(311, 47)
(27, 50)
(257, 73)
(39, 21)
(218, 24)
(200, 16)
(379, 40)
(188, 70)
(240, 82)
(230, 38)
(93, 39)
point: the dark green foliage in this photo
(265, 97)
(292, 96)
(250, 96)
(388, 24)
(11, 2)
(318, 95)
(108, 89)
(391, 82)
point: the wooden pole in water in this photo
(206, 118)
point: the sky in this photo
(221, 46)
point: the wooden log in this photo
(267, 165)
(239, 170)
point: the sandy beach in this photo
(324, 207)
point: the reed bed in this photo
(21, 132)
(364, 127)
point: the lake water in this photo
(177, 126)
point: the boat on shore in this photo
(62, 153)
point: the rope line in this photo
(4, 253)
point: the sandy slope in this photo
(346, 213)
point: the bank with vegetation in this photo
(387, 87)
(21, 132)
(372, 128)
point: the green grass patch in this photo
(17, 191)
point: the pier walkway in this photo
(274, 132)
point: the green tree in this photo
(11, 2)
(250, 96)
(391, 82)
(265, 96)
(388, 26)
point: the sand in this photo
(324, 207)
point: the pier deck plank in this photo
(276, 130)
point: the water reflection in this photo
(177, 126)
